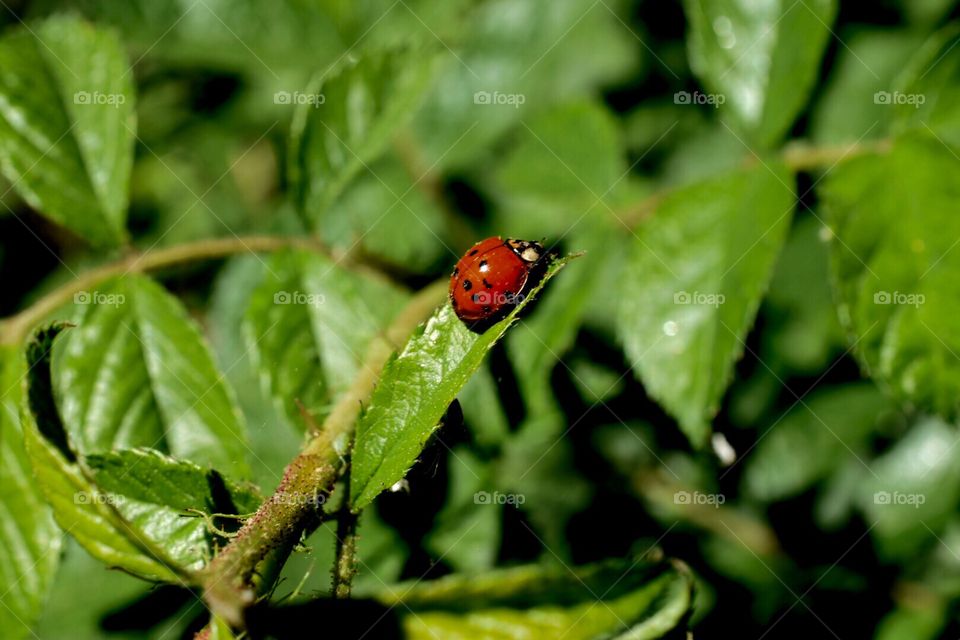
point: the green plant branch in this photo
(14, 329)
(292, 510)
(797, 155)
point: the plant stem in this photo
(798, 156)
(14, 329)
(345, 558)
(291, 511)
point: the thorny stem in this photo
(345, 558)
(291, 511)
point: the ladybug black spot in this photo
(456, 271)
(487, 284)
(473, 253)
(467, 285)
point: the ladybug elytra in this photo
(493, 277)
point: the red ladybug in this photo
(493, 276)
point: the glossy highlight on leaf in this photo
(165, 390)
(693, 286)
(67, 124)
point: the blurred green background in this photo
(716, 378)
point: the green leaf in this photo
(67, 125)
(159, 495)
(274, 441)
(467, 531)
(79, 508)
(617, 599)
(30, 541)
(135, 509)
(364, 102)
(925, 12)
(801, 331)
(761, 57)
(563, 164)
(540, 341)
(894, 268)
(913, 491)
(813, 439)
(869, 62)
(308, 325)
(414, 391)
(693, 284)
(482, 411)
(514, 59)
(87, 592)
(926, 97)
(389, 215)
(136, 372)
(923, 621)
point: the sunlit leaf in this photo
(67, 125)
(152, 383)
(414, 391)
(760, 58)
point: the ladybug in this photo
(492, 278)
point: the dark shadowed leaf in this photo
(813, 439)
(617, 599)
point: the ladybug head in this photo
(527, 250)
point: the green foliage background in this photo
(736, 410)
